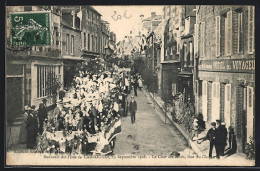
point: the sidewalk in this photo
(201, 148)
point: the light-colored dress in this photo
(23, 130)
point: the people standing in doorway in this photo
(221, 138)
(211, 136)
(132, 109)
(232, 141)
(43, 114)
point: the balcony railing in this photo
(45, 51)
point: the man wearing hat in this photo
(211, 136)
(221, 137)
(43, 114)
(132, 108)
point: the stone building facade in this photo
(170, 50)
(29, 69)
(76, 36)
(226, 67)
(188, 65)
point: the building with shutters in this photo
(77, 35)
(72, 51)
(90, 32)
(104, 37)
(186, 77)
(153, 47)
(225, 50)
(28, 69)
(173, 16)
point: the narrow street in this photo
(149, 134)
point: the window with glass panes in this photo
(88, 42)
(218, 36)
(84, 37)
(72, 44)
(45, 75)
(67, 43)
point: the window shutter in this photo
(82, 40)
(191, 54)
(218, 36)
(226, 36)
(229, 16)
(251, 29)
(202, 36)
(196, 40)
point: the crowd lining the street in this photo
(89, 106)
(94, 101)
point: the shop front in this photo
(169, 84)
(227, 93)
(185, 82)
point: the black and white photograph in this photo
(130, 85)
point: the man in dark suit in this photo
(42, 114)
(211, 136)
(221, 137)
(132, 109)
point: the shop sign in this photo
(234, 65)
(30, 29)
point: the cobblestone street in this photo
(149, 134)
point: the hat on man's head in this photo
(218, 121)
(213, 123)
(44, 100)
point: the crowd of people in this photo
(90, 105)
(94, 101)
(217, 135)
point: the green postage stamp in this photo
(29, 29)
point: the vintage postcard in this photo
(133, 85)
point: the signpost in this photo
(30, 29)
